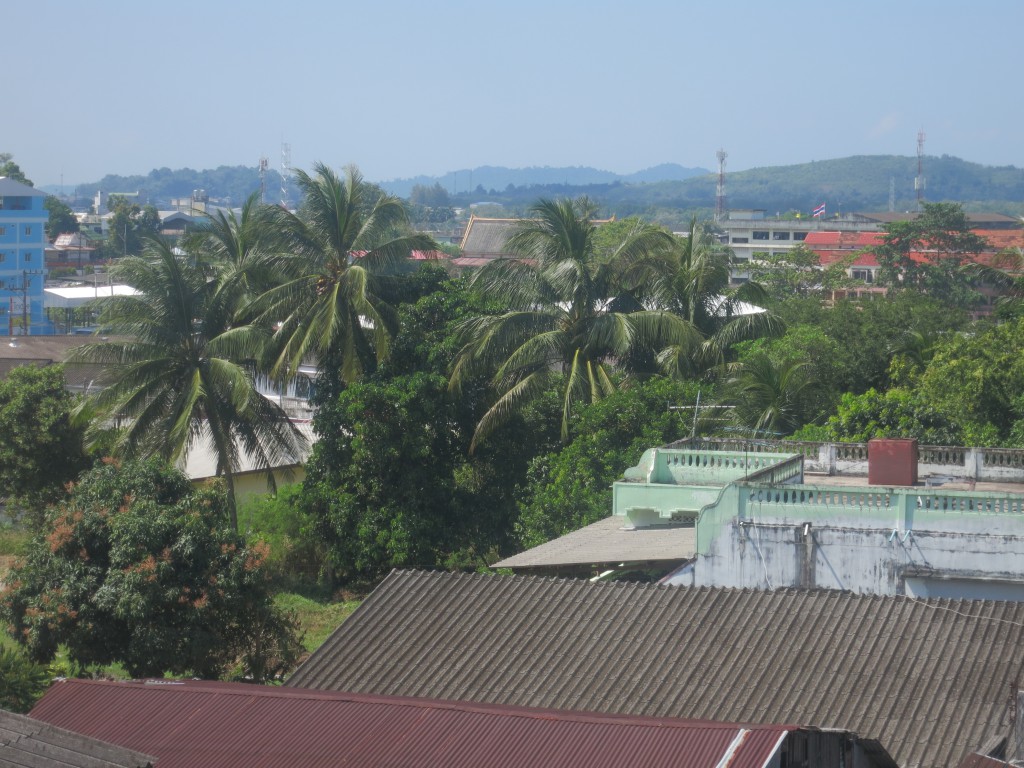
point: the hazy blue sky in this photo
(402, 88)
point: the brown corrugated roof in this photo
(931, 680)
(194, 723)
(609, 541)
(25, 741)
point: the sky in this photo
(402, 88)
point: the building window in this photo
(780, 235)
(760, 235)
(28, 256)
(740, 260)
(863, 274)
(3, 231)
(28, 230)
(800, 236)
(761, 255)
(740, 240)
(2, 257)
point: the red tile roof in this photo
(197, 723)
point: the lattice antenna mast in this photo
(892, 194)
(919, 179)
(720, 204)
(264, 164)
(286, 171)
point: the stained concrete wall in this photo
(882, 541)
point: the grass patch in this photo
(318, 618)
(13, 540)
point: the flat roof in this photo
(611, 541)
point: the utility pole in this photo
(919, 179)
(720, 203)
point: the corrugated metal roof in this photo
(929, 679)
(25, 741)
(195, 723)
(608, 542)
(975, 760)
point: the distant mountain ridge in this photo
(666, 193)
(498, 178)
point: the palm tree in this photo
(239, 248)
(566, 314)
(692, 281)
(183, 372)
(769, 397)
(346, 235)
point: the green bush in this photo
(23, 681)
(294, 556)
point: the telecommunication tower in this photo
(720, 192)
(264, 164)
(286, 171)
(919, 179)
(892, 194)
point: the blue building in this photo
(22, 259)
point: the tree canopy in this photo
(569, 313)
(137, 567)
(183, 373)
(42, 448)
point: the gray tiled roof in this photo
(10, 187)
(486, 237)
(930, 680)
(28, 742)
(608, 542)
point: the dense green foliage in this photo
(137, 567)
(569, 488)
(391, 481)
(23, 680)
(11, 170)
(61, 218)
(928, 254)
(130, 226)
(42, 449)
(570, 314)
(346, 238)
(181, 375)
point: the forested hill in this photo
(852, 183)
(481, 180)
(667, 192)
(863, 183)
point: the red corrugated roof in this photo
(197, 723)
(834, 246)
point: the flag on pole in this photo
(819, 211)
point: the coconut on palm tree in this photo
(183, 372)
(346, 236)
(567, 315)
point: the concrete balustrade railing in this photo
(957, 462)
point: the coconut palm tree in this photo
(346, 235)
(769, 397)
(239, 248)
(183, 373)
(692, 281)
(566, 313)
